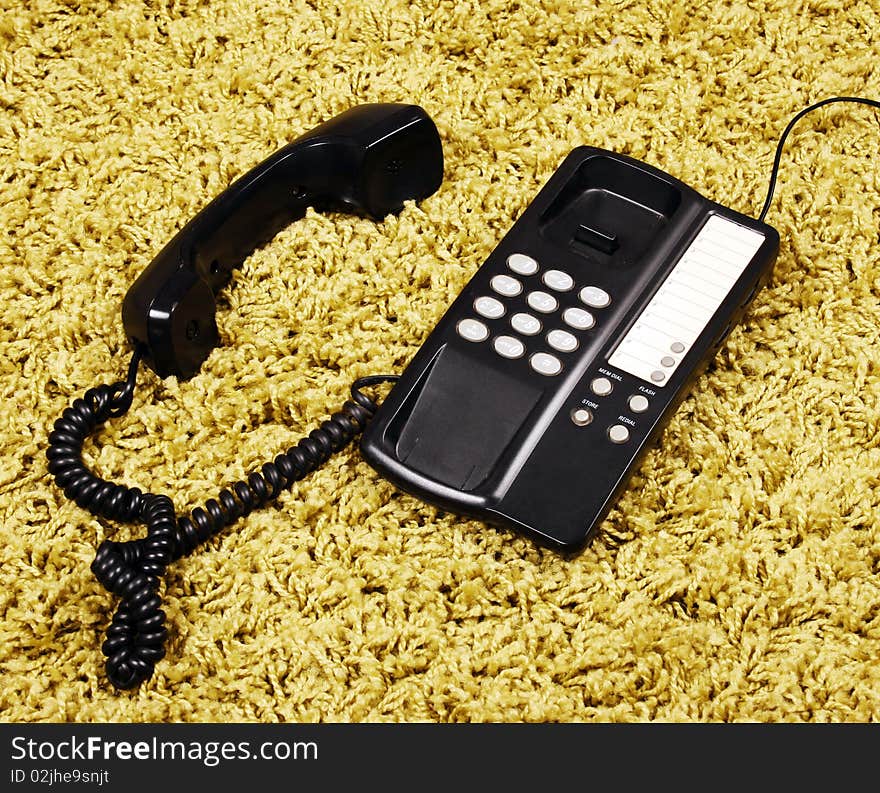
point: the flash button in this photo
(638, 403)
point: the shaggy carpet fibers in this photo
(736, 580)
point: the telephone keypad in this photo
(524, 324)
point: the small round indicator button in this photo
(676, 347)
(667, 361)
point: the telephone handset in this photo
(368, 160)
(530, 403)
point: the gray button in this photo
(562, 340)
(525, 324)
(578, 319)
(508, 347)
(618, 433)
(601, 386)
(505, 285)
(558, 280)
(541, 301)
(522, 264)
(489, 307)
(657, 376)
(667, 360)
(547, 364)
(595, 297)
(676, 347)
(582, 416)
(638, 403)
(472, 330)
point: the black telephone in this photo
(530, 403)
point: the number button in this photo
(546, 364)
(522, 264)
(525, 324)
(508, 347)
(472, 330)
(558, 280)
(578, 319)
(541, 301)
(505, 285)
(489, 307)
(562, 340)
(595, 297)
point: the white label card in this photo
(678, 313)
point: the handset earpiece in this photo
(368, 160)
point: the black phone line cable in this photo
(132, 570)
(809, 109)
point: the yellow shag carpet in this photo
(737, 578)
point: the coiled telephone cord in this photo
(133, 570)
